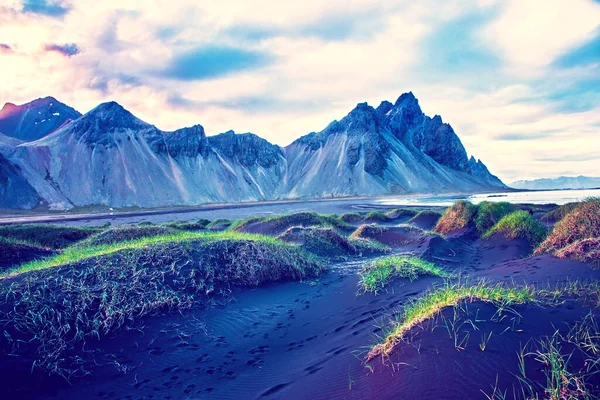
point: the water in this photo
(538, 197)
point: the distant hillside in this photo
(562, 182)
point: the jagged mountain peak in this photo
(384, 108)
(36, 119)
(8, 108)
(407, 99)
(247, 148)
(109, 156)
(115, 114)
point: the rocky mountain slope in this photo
(394, 148)
(110, 157)
(562, 182)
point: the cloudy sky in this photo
(519, 80)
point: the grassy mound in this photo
(13, 252)
(456, 217)
(426, 219)
(490, 213)
(519, 224)
(278, 224)
(585, 250)
(559, 212)
(47, 315)
(51, 236)
(435, 301)
(125, 234)
(368, 231)
(583, 222)
(378, 273)
(376, 216)
(189, 226)
(351, 218)
(219, 224)
(401, 212)
(389, 236)
(327, 242)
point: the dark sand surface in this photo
(308, 340)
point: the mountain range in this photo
(52, 156)
(562, 182)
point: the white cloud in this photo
(532, 34)
(315, 79)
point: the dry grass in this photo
(456, 217)
(583, 222)
(585, 250)
(559, 212)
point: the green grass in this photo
(50, 236)
(490, 213)
(220, 223)
(519, 224)
(189, 226)
(125, 234)
(351, 218)
(432, 303)
(282, 222)
(376, 275)
(49, 313)
(238, 224)
(376, 216)
(76, 254)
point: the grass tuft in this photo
(377, 274)
(490, 213)
(559, 212)
(519, 224)
(584, 250)
(583, 222)
(432, 303)
(456, 217)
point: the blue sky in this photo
(518, 80)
